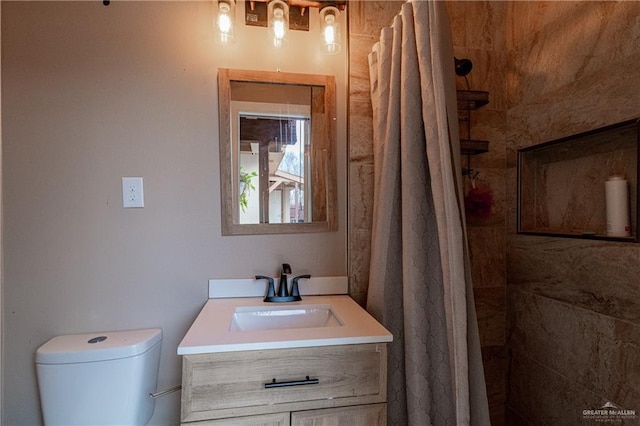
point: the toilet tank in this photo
(99, 378)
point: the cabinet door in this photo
(277, 419)
(359, 415)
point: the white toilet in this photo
(99, 378)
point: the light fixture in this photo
(283, 16)
(255, 148)
(330, 30)
(224, 21)
(278, 16)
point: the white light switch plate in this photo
(132, 192)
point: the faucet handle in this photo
(295, 292)
(286, 269)
(271, 291)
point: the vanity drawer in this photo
(276, 419)
(230, 384)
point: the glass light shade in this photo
(278, 13)
(330, 30)
(224, 21)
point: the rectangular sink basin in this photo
(235, 324)
(254, 318)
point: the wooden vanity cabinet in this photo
(346, 385)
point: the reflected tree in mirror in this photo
(246, 186)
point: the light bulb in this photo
(278, 22)
(278, 25)
(224, 23)
(329, 34)
(330, 30)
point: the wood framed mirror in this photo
(277, 152)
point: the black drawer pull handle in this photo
(306, 381)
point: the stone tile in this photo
(487, 246)
(596, 352)
(457, 18)
(535, 259)
(511, 200)
(512, 418)
(565, 94)
(527, 18)
(360, 213)
(368, 17)
(521, 133)
(498, 419)
(495, 361)
(361, 195)
(490, 309)
(544, 396)
(360, 130)
(580, 52)
(478, 24)
(601, 276)
(360, 250)
(489, 33)
(524, 20)
(511, 152)
(359, 49)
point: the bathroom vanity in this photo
(322, 360)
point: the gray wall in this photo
(91, 94)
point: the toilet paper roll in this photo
(617, 205)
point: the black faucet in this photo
(294, 288)
(271, 292)
(283, 290)
(282, 294)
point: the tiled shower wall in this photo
(574, 305)
(478, 30)
(366, 19)
(478, 34)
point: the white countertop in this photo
(211, 332)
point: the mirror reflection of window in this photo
(273, 161)
(295, 165)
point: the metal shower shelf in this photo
(469, 100)
(473, 147)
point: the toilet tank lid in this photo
(89, 347)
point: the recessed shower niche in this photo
(561, 183)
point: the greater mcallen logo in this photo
(609, 412)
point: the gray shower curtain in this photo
(420, 284)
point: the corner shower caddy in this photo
(471, 100)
